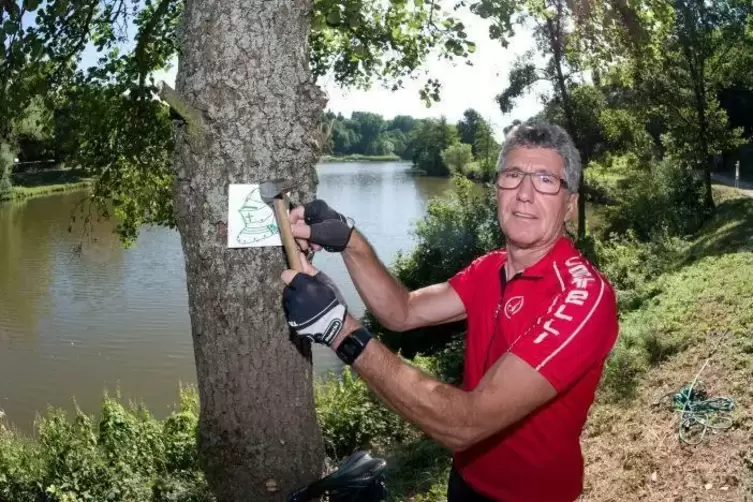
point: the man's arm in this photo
(394, 306)
(509, 391)
(577, 333)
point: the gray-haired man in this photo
(541, 322)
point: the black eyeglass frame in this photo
(562, 182)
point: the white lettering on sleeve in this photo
(580, 278)
(577, 330)
(577, 297)
(560, 314)
(548, 329)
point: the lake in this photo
(76, 322)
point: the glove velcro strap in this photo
(324, 326)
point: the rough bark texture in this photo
(244, 67)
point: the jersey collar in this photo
(563, 247)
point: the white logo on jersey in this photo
(580, 279)
(513, 306)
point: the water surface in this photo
(74, 323)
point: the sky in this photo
(463, 86)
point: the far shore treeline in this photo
(435, 146)
(48, 140)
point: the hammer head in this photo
(272, 189)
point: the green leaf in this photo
(333, 18)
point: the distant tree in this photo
(457, 156)
(486, 147)
(430, 139)
(7, 156)
(468, 128)
(369, 126)
(403, 123)
(345, 137)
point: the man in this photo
(541, 322)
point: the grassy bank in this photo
(46, 182)
(700, 309)
(359, 158)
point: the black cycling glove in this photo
(329, 229)
(314, 307)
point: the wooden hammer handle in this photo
(286, 232)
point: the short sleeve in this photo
(577, 331)
(466, 282)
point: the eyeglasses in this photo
(549, 184)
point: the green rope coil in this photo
(699, 412)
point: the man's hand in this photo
(320, 225)
(314, 306)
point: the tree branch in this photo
(61, 63)
(8, 6)
(733, 44)
(673, 107)
(190, 115)
(145, 36)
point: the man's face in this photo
(528, 217)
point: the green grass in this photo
(700, 310)
(46, 182)
(729, 231)
(356, 157)
(709, 288)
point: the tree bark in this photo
(244, 69)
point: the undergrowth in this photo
(125, 455)
(672, 292)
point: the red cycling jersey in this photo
(560, 316)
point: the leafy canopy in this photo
(122, 133)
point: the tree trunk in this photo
(703, 127)
(244, 69)
(556, 40)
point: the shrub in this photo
(352, 417)
(457, 156)
(7, 156)
(624, 366)
(474, 171)
(125, 455)
(447, 363)
(631, 265)
(667, 197)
